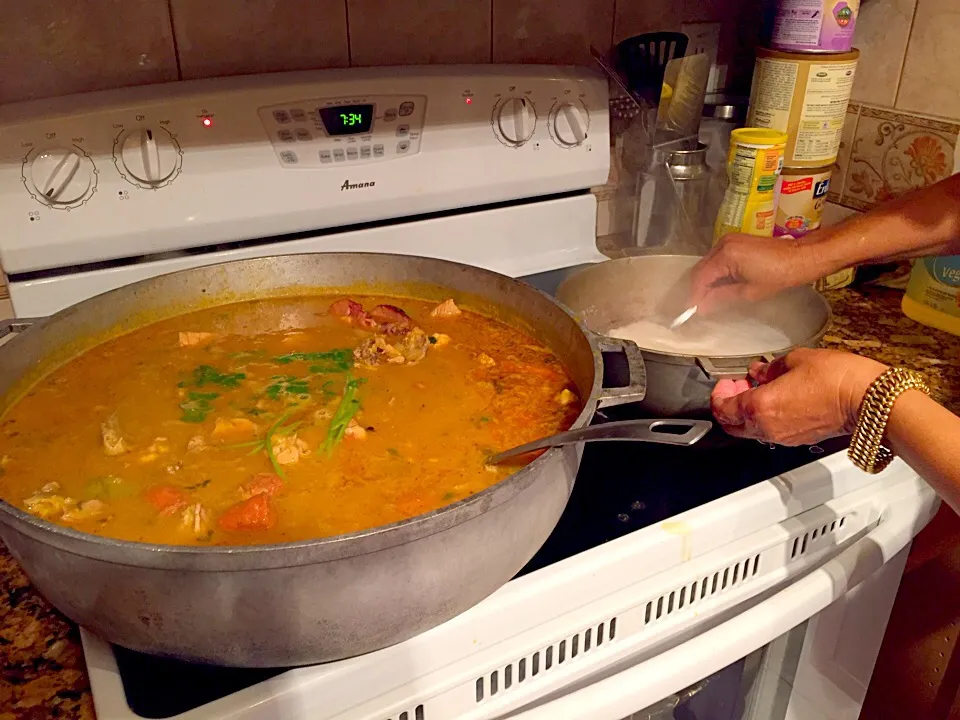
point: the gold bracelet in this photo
(867, 450)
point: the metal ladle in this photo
(663, 432)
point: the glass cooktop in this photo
(621, 488)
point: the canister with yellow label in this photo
(753, 166)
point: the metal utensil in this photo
(683, 317)
(663, 432)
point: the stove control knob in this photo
(61, 175)
(570, 122)
(150, 156)
(515, 120)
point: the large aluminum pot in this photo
(319, 600)
(614, 293)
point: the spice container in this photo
(805, 96)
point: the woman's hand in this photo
(801, 399)
(744, 268)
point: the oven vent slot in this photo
(416, 714)
(526, 669)
(802, 543)
(701, 589)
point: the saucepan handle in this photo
(733, 369)
(636, 390)
(17, 325)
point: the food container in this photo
(612, 294)
(317, 600)
(753, 166)
(805, 96)
(813, 26)
(800, 197)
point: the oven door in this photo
(804, 653)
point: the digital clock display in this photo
(347, 119)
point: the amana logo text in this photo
(347, 185)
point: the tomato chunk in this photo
(257, 513)
(167, 498)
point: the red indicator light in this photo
(207, 122)
(468, 100)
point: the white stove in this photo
(736, 581)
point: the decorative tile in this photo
(838, 178)
(893, 152)
(930, 82)
(60, 48)
(551, 31)
(883, 29)
(427, 31)
(235, 37)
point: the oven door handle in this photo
(650, 681)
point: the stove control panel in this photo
(137, 172)
(345, 130)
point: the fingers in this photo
(727, 402)
(764, 373)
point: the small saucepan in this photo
(628, 299)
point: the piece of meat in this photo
(376, 350)
(288, 449)
(234, 429)
(195, 519)
(256, 513)
(391, 320)
(352, 313)
(196, 444)
(49, 506)
(192, 339)
(167, 498)
(114, 443)
(355, 430)
(267, 483)
(446, 309)
(86, 510)
(413, 346)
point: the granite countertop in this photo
(42, 672)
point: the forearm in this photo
(927, 436)
(924, 222)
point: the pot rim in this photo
(299, 552)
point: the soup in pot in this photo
(280, 420)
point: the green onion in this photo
(349, 404)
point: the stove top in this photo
(621, 488)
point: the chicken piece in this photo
(355, 430)
(352, 313)
(288, 449)
(261, 483)
(486, 360)
(567, 397)
(376, 350)
(114, 443)
(160, 446)
(234, 429)
(193, 339)
(86, 510)
(257, 513)
(48, 506)
(391, 320)
(446, 309)
(438, 340)
(195, 519)
(196, 444)
(413, 346)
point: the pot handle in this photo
(16, 325)
(637, 389)
(733, 369)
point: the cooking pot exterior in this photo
(312, 601)
(616, 292)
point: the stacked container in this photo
(801, 86)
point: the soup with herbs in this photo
(280, 420)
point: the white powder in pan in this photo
(709, 336)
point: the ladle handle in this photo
(654, 431)
(738, 369)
